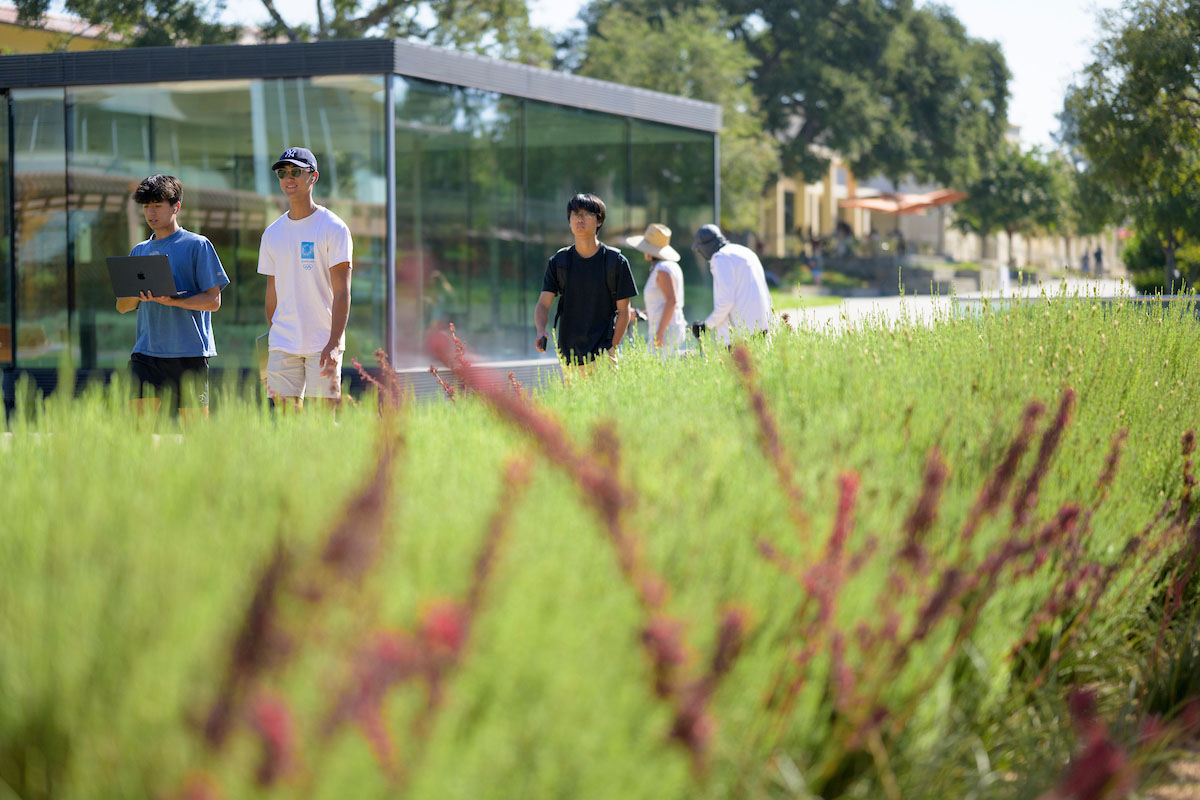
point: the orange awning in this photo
(896, 203)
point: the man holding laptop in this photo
(174, 332)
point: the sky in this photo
(1045, 43)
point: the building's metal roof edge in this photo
(536, 83)
(348, 57)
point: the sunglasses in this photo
(295, 172)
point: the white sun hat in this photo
(656, 242)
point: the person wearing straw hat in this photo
(664, 289)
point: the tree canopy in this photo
(1134, 118)
(499, 28)
(143, 23)
(690, 53)
(1017, 191)
(891, 88)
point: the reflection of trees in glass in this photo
(673, 183)
(40, 238)
(570, 151)
(459, 209)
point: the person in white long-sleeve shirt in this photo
(741, 301)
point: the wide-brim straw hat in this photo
(655, 242)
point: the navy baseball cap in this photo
(300, 156)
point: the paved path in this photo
(854, 310)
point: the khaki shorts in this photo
(290, 375)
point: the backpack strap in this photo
(559, 261)
(612, 263)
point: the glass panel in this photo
(220, 139)
(6, 265)
(459, 219)
(39, 169)
(570, 151)
(673, 183)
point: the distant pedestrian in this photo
(741, 300)
(1085, 263)
(1098, 261)
(306, 256)
(593, 283)
(664, 289)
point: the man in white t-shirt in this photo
(741, 300)
(306, 256)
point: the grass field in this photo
(875, 564)
(789, 298)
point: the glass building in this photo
(453, 172)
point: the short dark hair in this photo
(587, 202)
(159, 189)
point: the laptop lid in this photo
(132, 275)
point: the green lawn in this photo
(785, 299)
(872, 594)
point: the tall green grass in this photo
(130, 552)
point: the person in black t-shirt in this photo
(593, 282)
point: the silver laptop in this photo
(132, 275)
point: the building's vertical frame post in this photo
(11, 188)
(73, 322)
(259, 141)
(717, 178)
(522, 147)
(389, 259)
(629, 175)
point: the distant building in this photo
(452, 170)
(56, 33)
(796, 212)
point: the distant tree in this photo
(1134, 115)
(143, 23)
(892, 89)
(1086, 207)
(941, 104)
(499, 28)
(690, 53)
(1016, 192)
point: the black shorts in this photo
(573, 359)
(166, 375)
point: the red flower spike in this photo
(271, 719)
(662, 639)
(446, 388)
(1026, 500)
(443, 629)
(993, 491)
(924, 513)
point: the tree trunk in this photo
(1012, 256)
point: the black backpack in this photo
(612, 263)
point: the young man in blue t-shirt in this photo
(174, 334)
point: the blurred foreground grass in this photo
(128, 560)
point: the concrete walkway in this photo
(922, 308)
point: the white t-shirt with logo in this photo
(299, 253)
